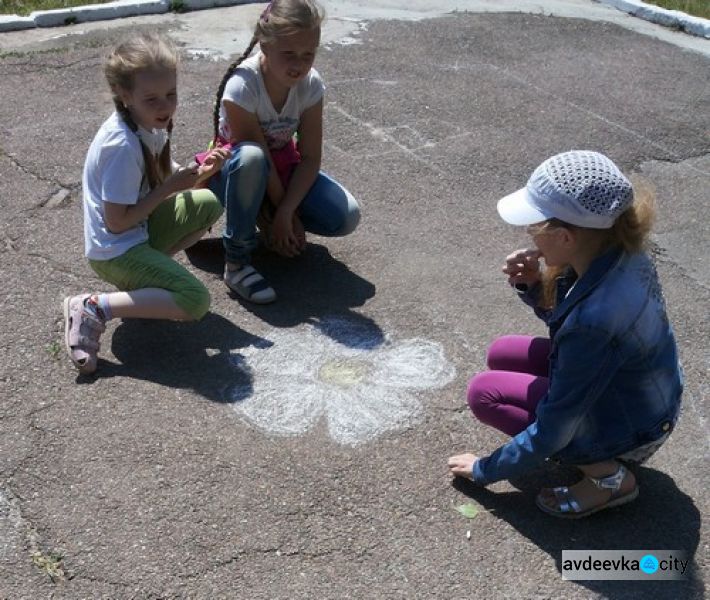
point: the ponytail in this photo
(629, 232)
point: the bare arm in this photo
(287, 232)
(310, 146)
(122, 217)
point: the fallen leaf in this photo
(468, 510)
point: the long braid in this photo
(225, 79)
(155, 172)
(165, 162)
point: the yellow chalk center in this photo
(343, 372)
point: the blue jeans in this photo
(328, 209)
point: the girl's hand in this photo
(523, 266)
(462, 465)
(300, 233)
(185, 178)
(213, 162)
(283, 235)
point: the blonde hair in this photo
(145, 52)
(280, 18)
(629, 232)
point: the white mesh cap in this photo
(579, 187)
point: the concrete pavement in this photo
(191, 466)
(119, 9)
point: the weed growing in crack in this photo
(51, 564)
(54, 348)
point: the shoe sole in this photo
(67, 312)
(251, 299)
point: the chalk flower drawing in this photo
(362, 387)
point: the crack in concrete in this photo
(242, 554)
(9, 244)
(37, 432)
(55, 265)
(50, 561)
(680, 161)
(44, 67)
(33, 423)
(41, 408)
(122, 584)
(17, 164)
(661, 258)
(451, 409)
(505, 71)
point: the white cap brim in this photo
(518, 209)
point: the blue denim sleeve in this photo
(530, 294)
(585, 363)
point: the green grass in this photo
(25, 7)
(698, 8)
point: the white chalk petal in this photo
(283, 409)
(414, 364)
(369, 411)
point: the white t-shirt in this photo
(246, 89)
(114, 172)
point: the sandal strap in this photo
(93, 324)
(250, 280)
(249, 284)
(86, 343)
(240, 275)
(566, 503)
(610, 482)
(86, 331)
(254, 283)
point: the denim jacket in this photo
(615, 379)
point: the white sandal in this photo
(249, 284)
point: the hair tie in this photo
(267, 11)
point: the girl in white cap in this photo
(604, 390)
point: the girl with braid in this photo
(139, 206)
(262, 102)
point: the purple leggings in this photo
(505, 397)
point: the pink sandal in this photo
(82, 330)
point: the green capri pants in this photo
(148, 266)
